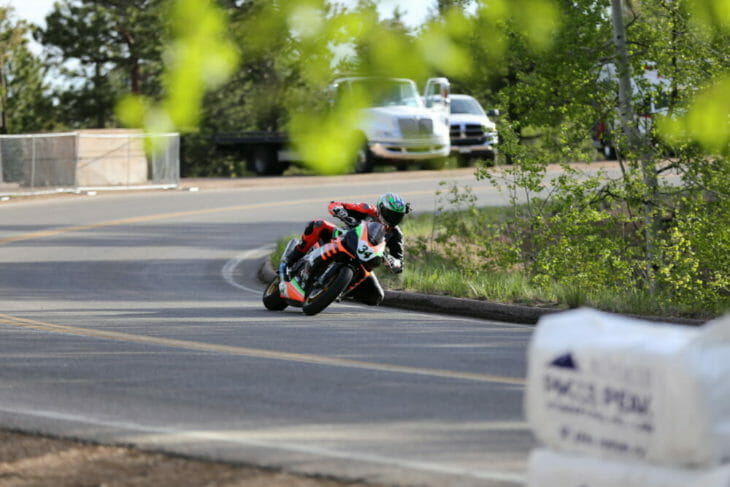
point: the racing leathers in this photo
(369, 291)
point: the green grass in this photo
(441, 278)
(428, 269)
(279, 249)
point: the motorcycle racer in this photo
(388, 210)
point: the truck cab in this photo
(473, 134)
(400, 126)
(651, 99)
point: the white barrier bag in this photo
(552, 469)
(623, 388)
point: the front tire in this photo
(365, 160)
(321, 297)
(435, 164)
(463, 160)
(272, 298)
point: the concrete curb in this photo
(444, 304)
(473, 308)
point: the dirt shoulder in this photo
(34, 461)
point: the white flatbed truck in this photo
(401, 127)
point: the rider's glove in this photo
(395, 265)
(341, 213)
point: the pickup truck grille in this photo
(466, 130)
(468, 134)
(415, 127)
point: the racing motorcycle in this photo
(330, 271)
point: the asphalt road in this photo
(136, 318)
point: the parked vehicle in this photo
(651, 99)
(329, 271)
(473, 134)
(399, 128)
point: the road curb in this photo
(444, 304)
(473, 308)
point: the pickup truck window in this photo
(465, 105)
(386, 92)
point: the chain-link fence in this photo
(85, 159)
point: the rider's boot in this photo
(288, 262)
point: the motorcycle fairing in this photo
(369, 248)
(329, 250)
(291, 290)
(363, 243)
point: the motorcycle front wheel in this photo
(272, 298)
(322, 296)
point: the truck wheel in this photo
(365, 160)
(609, 152)
(463, 160)
(490, 158)
(265, 162)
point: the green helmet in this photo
(392, 208)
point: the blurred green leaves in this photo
(312, 41)
(334, 155)
(535, 20)
(714, 13)
(198, 56)
(706, 120)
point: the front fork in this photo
(285, 257)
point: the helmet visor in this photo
(391, 217)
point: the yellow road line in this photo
(233, 350)
(255, 352)
(169, 216)
(144, 219)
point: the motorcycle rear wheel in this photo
(321, 297)
(272, 298)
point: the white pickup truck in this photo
(401, 127)
(473, 134)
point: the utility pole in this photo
(632, 135)
(3, 101)
(3, 119)
(623, 71)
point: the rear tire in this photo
(609, 152)
(272, 299)
(319, 298)
(265, 161)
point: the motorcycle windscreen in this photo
(376, 233)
